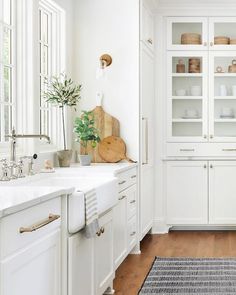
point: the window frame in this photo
(4, 145)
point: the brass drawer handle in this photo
(187, 150)
(133, 176)
(51, 218)
(133, 233)
(149, 41)
(101, 231)
(122, 182)
(229, 150)
(132, 202)
(121, 198)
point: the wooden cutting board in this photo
(107, 126)
(112, 149)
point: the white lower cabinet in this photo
(187, 201)
(201, 192)
(30, 251)
(120, 230)
(90, 261)
(33, 270)
(222, 192)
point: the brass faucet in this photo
(14, 136)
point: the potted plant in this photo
(86, 133)
(63, 93)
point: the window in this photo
(51, 62)
(7, 67)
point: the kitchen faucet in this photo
(14, 136)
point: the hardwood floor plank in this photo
(132, 272)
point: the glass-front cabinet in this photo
(201, 79)
(187, 96)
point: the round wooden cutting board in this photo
(112, 149)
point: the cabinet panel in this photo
(80, 265)
(187, 192)
(33, 270)
(222, 192)
(120, 229)
(222, 26)
(147, 34)
(176, 26)
(103, 251)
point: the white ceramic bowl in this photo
(181, 92)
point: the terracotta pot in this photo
(64, 158)
(85, 160)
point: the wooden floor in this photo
(132, 272)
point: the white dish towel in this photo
(91, 214)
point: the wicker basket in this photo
(194, 65)
(233, 41)
(191, 38)
(221, 40)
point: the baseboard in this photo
(203, 228)
(159, 226)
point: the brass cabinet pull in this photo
(101, 231)
(205, 136)
(211, 136)
(132, 202)
(187, 150)
(122, 182)
(121, 198)
(51, 218)
(149, 41)
(133, 176)
(133, 233)
(211, 166)
(205, 166)
(229, 150)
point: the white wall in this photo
(105, 26)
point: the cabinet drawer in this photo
(186, 149)
(131, 201)
(132, 233)
(223, 149)
(12, 239)
(127, 178)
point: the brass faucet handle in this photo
(5, 168)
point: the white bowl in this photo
(181, 92)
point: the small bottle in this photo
(180, 67)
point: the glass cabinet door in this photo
(187, 96)
(222, 111)
(187, 33)
(222, 33)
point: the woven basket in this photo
(191, 38)
(221, 40)
(233, 41)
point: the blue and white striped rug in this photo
(187, 276)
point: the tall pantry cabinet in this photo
(201, 121)
(147, 123)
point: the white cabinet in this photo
(120, 230)
(103, 255)
(177, 26)
(30, 251)
(147, 141)
(90, 261)
(187, 193)
(222, 192)
(201, 97)
(81, 265)
(34, 269)
(147, 33)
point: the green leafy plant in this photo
(86, 131)
(63, 92)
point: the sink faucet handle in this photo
(5, 168)
(13, 166)
(20, 167)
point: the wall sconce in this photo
(104, 62)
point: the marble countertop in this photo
(23, 193)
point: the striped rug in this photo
(187, 276)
